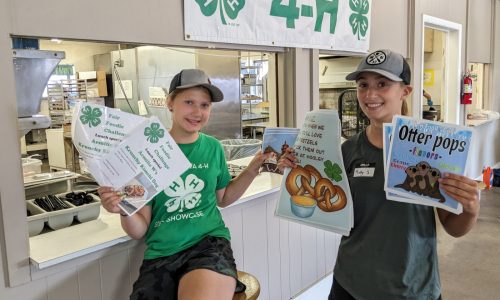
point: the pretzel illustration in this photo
(309, 185)
(312, 184)
(325, 191)
(291, 182)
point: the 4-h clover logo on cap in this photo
(229, 7)
(358, 20)
(91, 116)
(154, 133)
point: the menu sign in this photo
(317, 192)
(133, 154)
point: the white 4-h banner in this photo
(323, 24)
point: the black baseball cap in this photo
(189, 78)
(386, 63)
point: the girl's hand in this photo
(110, 199)
(287, 160)
(257, 161)
(462, 189)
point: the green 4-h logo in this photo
(154, 133)
(91, 116)
(229, 7)
(185, 195)
(358, 20)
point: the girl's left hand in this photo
(257, 161)
(462, 189)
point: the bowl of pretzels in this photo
(308, 189)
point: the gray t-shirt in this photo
(391, 251)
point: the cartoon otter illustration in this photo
(422, 169)
(410, 183)
(423, 180)
(432, 181)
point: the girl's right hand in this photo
(287, 160)
(110, 199)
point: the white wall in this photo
(390, 26)
(14, 253)
(79, 54)
(479, 30)
(337, 69)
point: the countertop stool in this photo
(253, 288)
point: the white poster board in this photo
(135, 155)
(329, 24)
(316, 193)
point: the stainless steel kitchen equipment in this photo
(146, 67)
(32, 70)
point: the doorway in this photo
(441, 69)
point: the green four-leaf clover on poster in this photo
(230, 7)
(358, 20)
(333, 171)
(91, 116)
(154, 133)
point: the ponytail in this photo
(404, 108)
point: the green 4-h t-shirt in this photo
(186, 211)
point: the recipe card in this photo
(133, 154)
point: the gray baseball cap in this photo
(189, 78)
(386, 63)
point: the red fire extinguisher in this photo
(467, 89)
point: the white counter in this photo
(479, 122)
(58, 246)
(491, 117)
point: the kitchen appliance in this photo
(142, 71)
(32, 69)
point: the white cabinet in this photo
(56, 148)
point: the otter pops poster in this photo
(317, 192)
(420, 152)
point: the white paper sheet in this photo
(133, 154)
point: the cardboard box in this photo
(96, 81)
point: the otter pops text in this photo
(421, 136)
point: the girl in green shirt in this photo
(188, 254)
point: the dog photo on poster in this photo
(420, 152)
